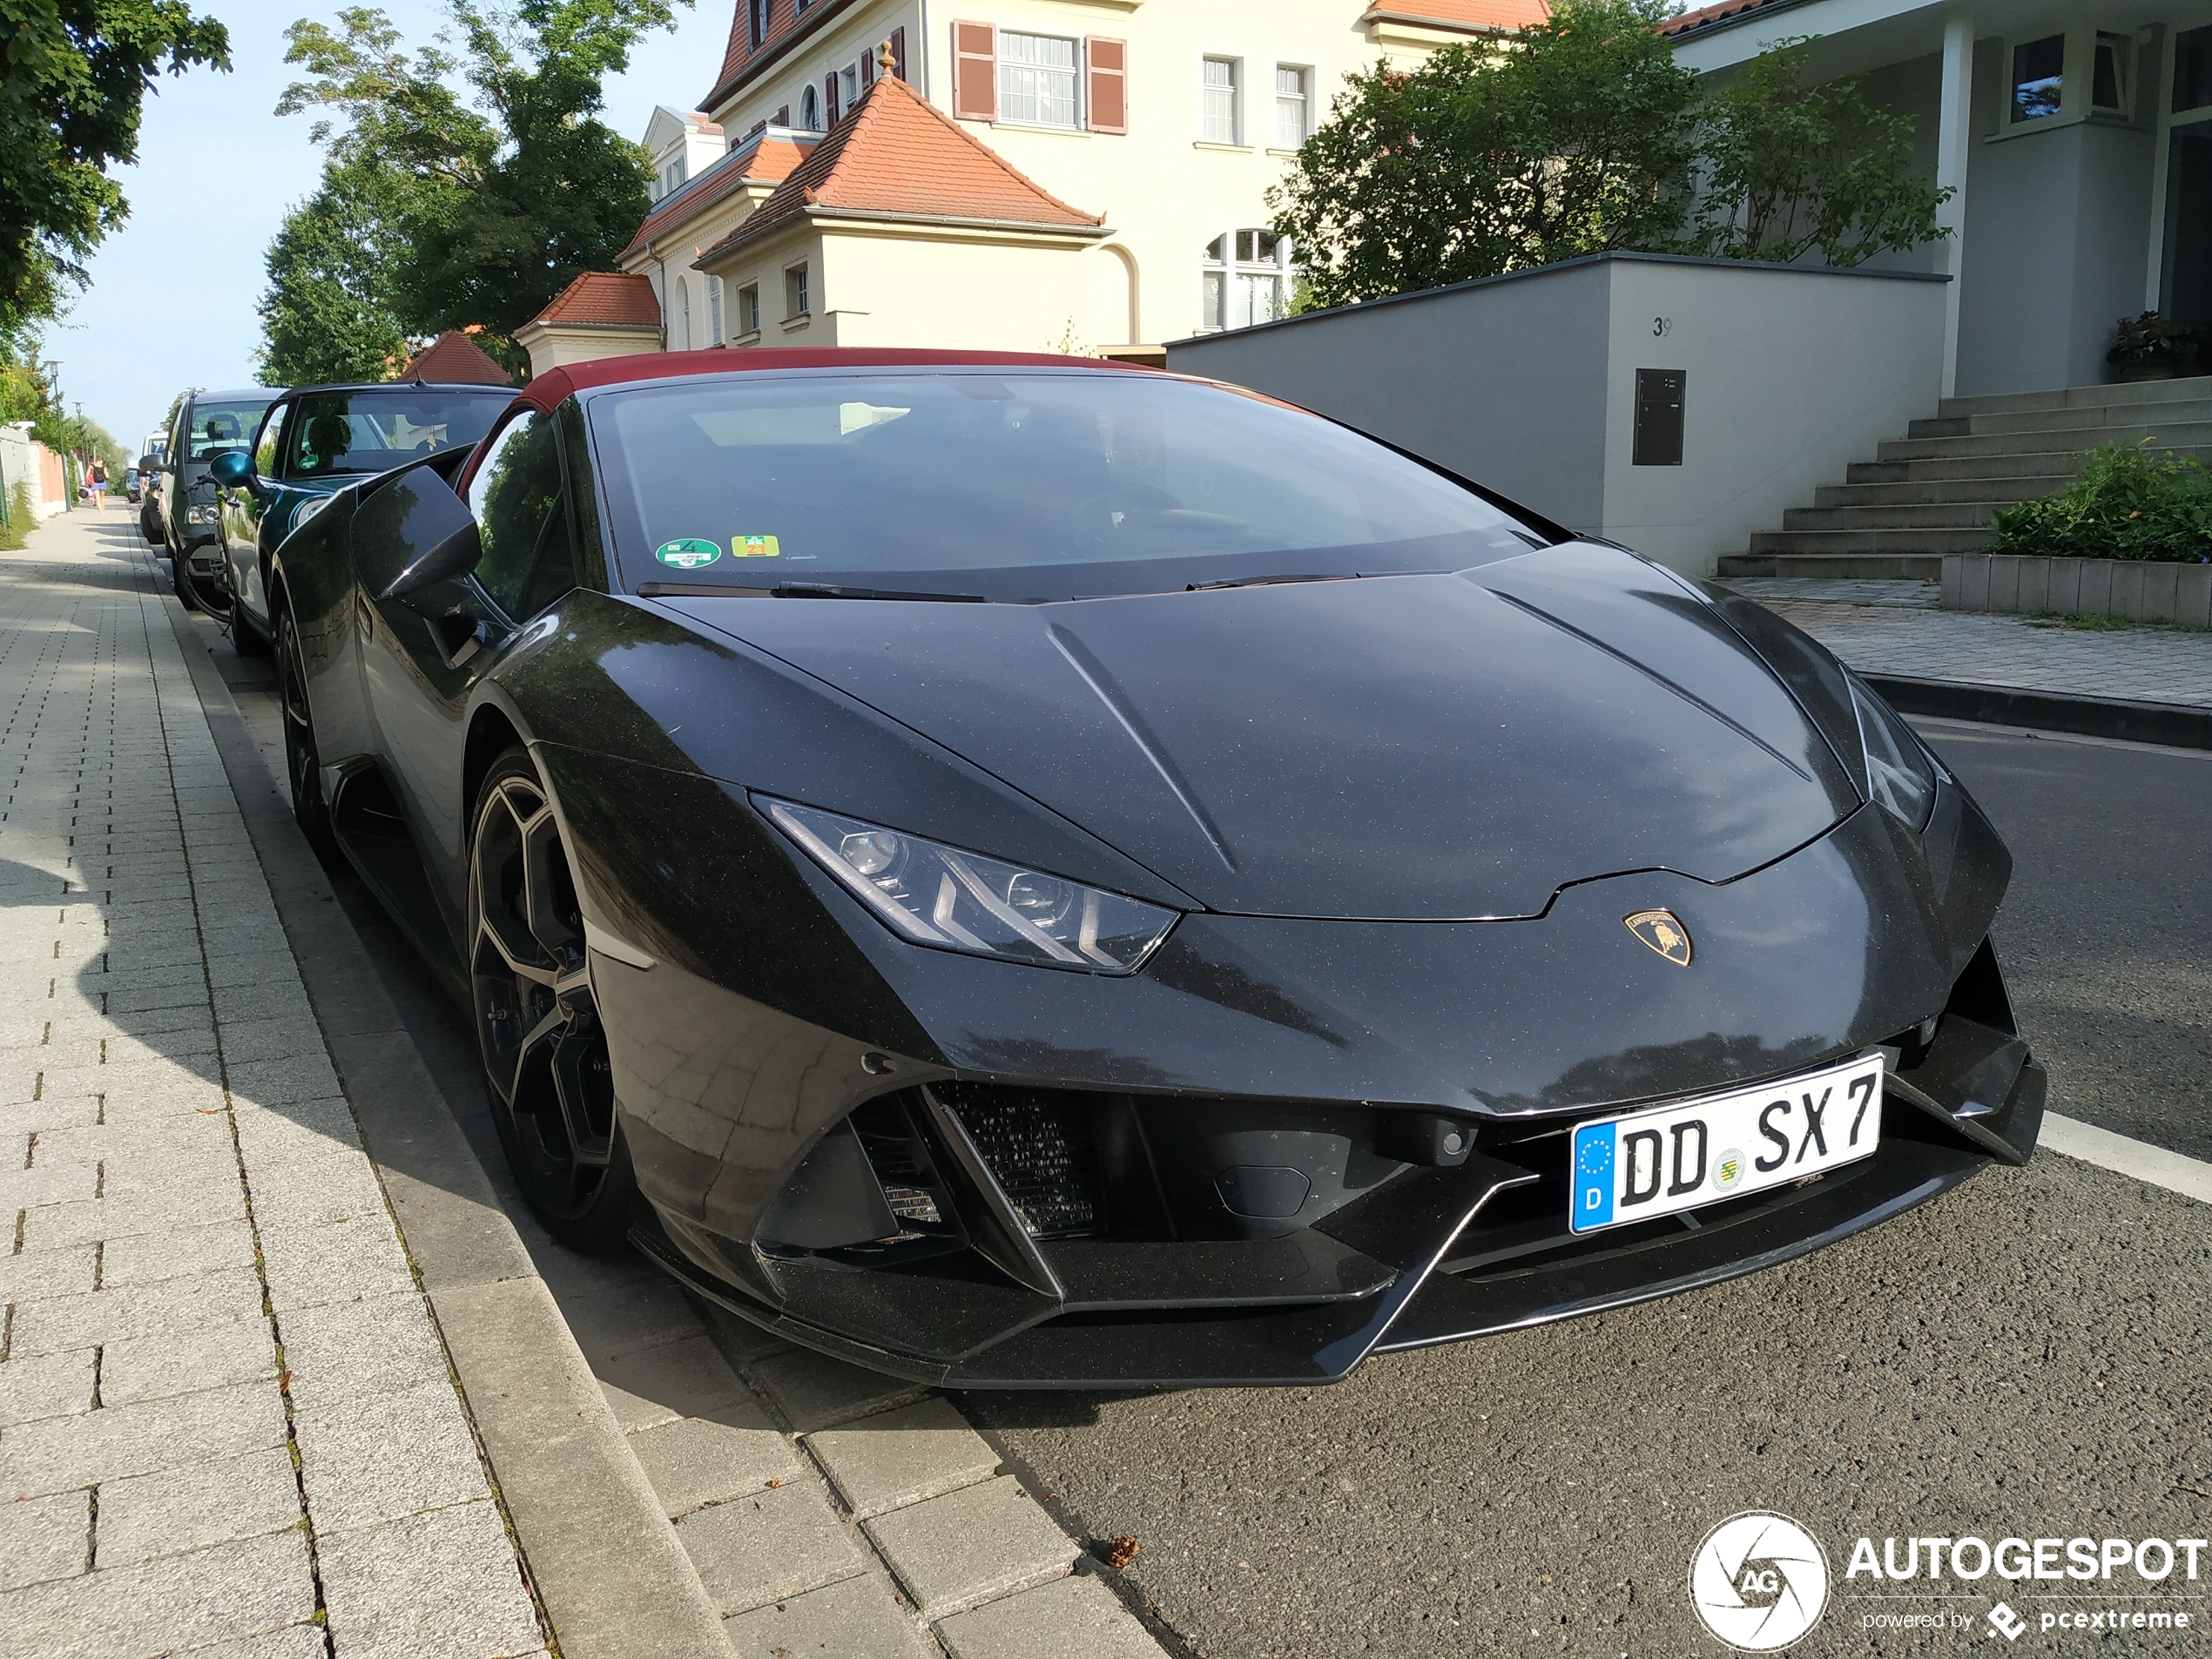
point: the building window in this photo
(797, 302)
(810, 110)
(2193, 70)
(1290, 130)
(683, 292)
(714, 311)
(848, 86)
(757, 11)
(2039, 69)
(749, 308)
(1036, 79)
(1245, 279)
(1218, 105)
(2108, 75)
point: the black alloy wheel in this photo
(302, 760)
(537, 1022)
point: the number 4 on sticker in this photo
(754, 547)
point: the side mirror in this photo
(147, 463)
(413, 542)
(232, 470)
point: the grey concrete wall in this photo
(1527, 384)
(1792, 375)
(1503, 382)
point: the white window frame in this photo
(810, 107)
(798, 293)
(714, 310)
(1283, 268)
(1008, 95)
(684, 295)
(2077, 81)
(749, 309)
(1304, 98)
(849, 87)
(1212, 126)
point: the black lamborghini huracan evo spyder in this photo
(1019, 871)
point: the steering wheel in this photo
(1093, 521)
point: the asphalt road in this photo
(2030, 1355)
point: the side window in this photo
(268, 449)
(521, 516)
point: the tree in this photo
(462, 213)
(73, 75)
(329, 315)
(1791, 168)
(1582, 135)
(1578, 138)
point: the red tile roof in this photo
(766, 159)
(605, 300)
(1706, 17)
(783, 20)
(896, 154)
(1487, 15)
(452, 359)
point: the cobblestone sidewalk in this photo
(1901, 636)
(228, 1426)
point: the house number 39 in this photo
(1662, 326)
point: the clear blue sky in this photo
(172, 302)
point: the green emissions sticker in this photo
(687, 552)
(755, 547)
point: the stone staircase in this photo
(1932, 492)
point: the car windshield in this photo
(337, 433)
(217, 427)
(1011, 484)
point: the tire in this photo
(180, 579)
(544, 1051)
(302, 760)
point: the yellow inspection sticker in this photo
(754, 547)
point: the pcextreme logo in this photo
(1759, 1581)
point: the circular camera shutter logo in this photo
(1758, 1581)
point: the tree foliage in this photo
(73, 75)
(1582, 135)
(467, 183)
(1790, 168)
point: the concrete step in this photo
(2166, 435)
(2195, 410)
(1929, 492)
(2082, 397)
(1933, 542)
(1837, 567)
(2042, 463)
(1891, 515)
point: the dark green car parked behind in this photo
(315, 440)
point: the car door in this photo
(242, 513)
(419, 692)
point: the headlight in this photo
(308, 508)
(200, 515)
(955, 900)
(1900, 772)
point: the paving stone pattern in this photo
(831, 1510)
(2149, 664)
(227, 1421)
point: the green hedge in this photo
(2127, 503)
(17, 530)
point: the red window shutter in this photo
(1107, 90)
(867, 68)
(899, 53)
(975, 71)
(783, 115)
(830, 112)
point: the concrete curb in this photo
(615, 1581)
(2175, 725)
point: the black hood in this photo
(1408, 747)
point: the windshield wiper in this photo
(792, 591)
(1268, 581)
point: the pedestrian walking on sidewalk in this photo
(96, 481)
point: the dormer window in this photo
(757, 12)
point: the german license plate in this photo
(1671, 1158)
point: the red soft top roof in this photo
(549, 388)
